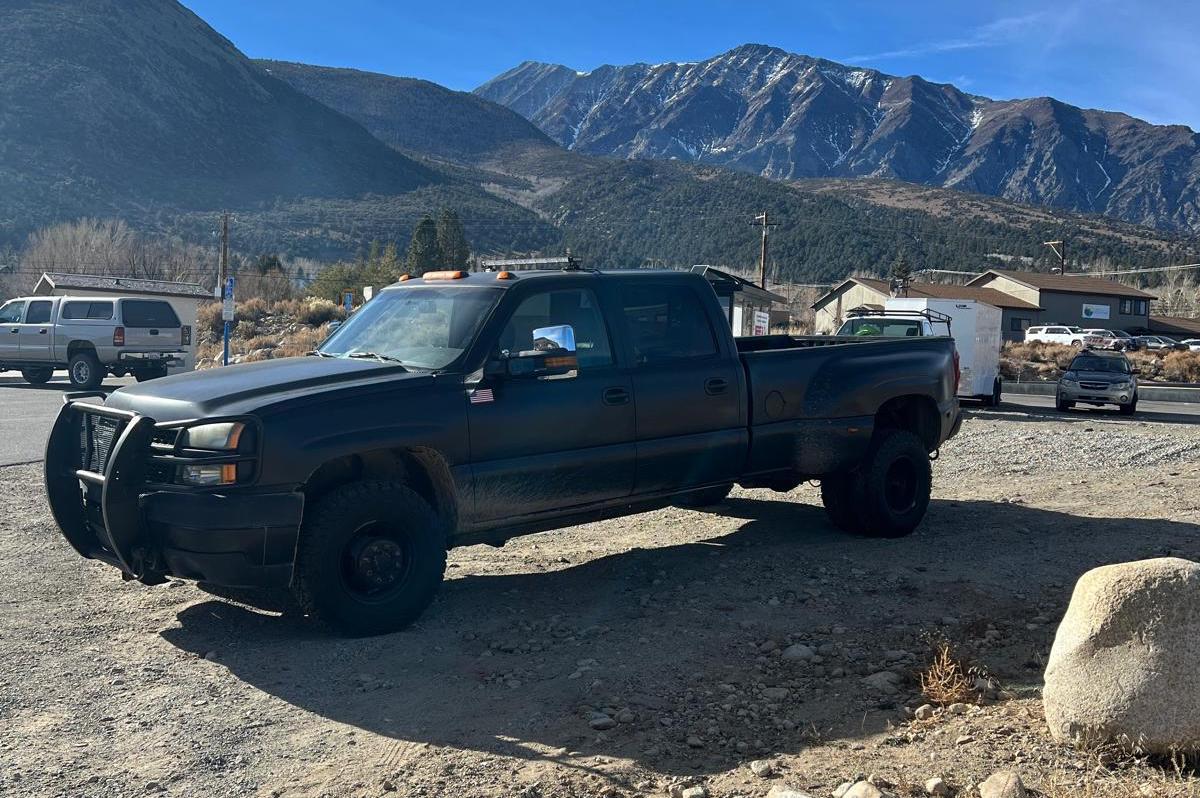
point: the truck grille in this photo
(97, 434)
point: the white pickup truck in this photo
(90, 337)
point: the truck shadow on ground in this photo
(510, 664)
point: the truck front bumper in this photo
(97, 472)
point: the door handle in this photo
(616, 396)
(42, 331)
(715, 386)
(154, 332)
(14, 330)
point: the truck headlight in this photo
(208, 475)
(223, 437)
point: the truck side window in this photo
(11, 313)
(38, 313)
(666, 323)
(576, 307)
(86, 310)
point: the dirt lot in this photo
(670, 624)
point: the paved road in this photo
(27, 411)
(1177, 412)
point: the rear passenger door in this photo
(687, 386)
(36, 338)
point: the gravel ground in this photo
(624, 658)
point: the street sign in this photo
(227, 308)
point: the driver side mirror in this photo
(1135, 371)
(552, 355)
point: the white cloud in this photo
(997, 32)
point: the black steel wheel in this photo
(370, 559)
(893, 485)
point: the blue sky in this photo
(1137, 56)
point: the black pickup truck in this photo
(466, 408)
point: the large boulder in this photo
(1125, 666)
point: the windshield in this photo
(427, 327)
(890, 328)
(1116, 365)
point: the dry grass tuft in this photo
(947, 680)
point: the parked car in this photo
(1099, 378)
(1103, 339)
(90, 337)
(471, 408)
(1131, 342)
(1193, 344)
(1161, 342)
(1055, 334)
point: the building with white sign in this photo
(1070, 299)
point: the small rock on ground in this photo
(1004, 784)
(937, 786)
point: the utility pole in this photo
(762, 221)
(224, 247)
(1059, 248)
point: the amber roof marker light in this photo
(444, 275)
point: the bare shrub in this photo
(253, 309)
(947, 680)
(209, 323)
(245, 329)
(1181, 367)
(315, 312)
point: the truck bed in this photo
(813, 400)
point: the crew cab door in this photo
(10, 330)
(542, 444)
(691, 425)
(36, 336)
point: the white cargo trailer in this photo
(975, 327)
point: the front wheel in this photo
(1062, 404)
(84, 370)
(37, 376)
(370, 559)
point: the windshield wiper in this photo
(377, 356)
(318, 353)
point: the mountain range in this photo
(138, 109)
(785, 116)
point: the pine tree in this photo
(424, 254)
(452, 240)
(900, 269)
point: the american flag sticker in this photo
(481, 396)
